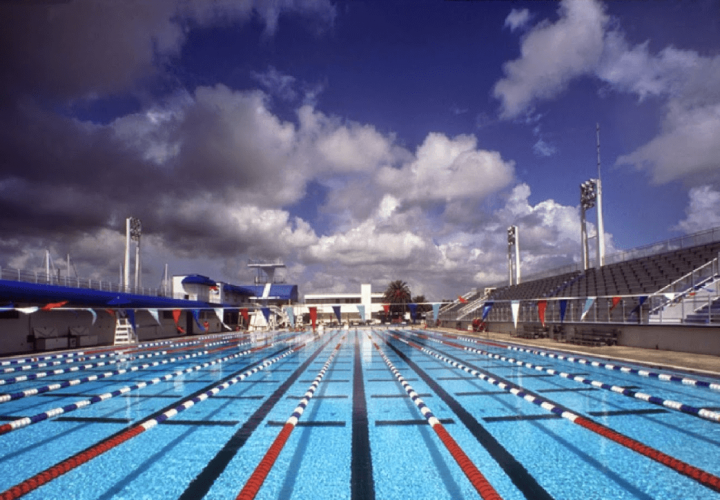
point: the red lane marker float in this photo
(705, 478)
(253, 485)
(479, 482)
(73, 462)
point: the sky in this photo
(359, 142)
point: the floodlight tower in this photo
(133, 231)
(591, 196)
(513, 240)
(588, 195)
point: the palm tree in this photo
(397, 295)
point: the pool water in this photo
(530, 432)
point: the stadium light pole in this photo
(588, 195)
(513, 240)
(600, 222)
(135, 233)
(133, 230)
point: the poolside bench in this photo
(533, 331)
(595, 336)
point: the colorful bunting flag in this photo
(155, 315)
(462, 300)
(588, 304)
(563, 309)
(53, 305)
(361, 310)
(266, 314)
(94, 315)
(131, 317)
(246, 315)
(542, 305)
(486, 309)
(615, 302)
(291, 315)
(413, 311)
(436, 311)
(28, 310)
(338, 314)
(515, 308)
(176, 316)
(196, 317)
(313, 316)
(220, 313)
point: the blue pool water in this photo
(361, 436)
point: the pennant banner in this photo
(386, 308)
(486, 309)
(53, 305)
(563, 309)
(615, 302)
(94, 315)
(196, 317)
(220, 313)
(413, 310)
(641, 301)
(313, 316)
(155, 315)
(291, 315)
(338, 314)
(131, 317)
(515, 308)
(462, 300)
(436, 311)
(588, 304)
(266, 313)
(542, 305)
(245, 315)
(361, 310)
(176, 316)
(669, 296)
(28, 310)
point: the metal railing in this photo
(42, 278)
(687, 241)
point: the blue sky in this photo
(357, 141)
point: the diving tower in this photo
(266, 271)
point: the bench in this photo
(533, 331)
(595, 336)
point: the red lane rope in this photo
(253, 485)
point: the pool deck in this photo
(699, 363)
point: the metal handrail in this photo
(40, 277)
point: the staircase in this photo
(123, 332)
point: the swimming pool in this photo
(299, 416)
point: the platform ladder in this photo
(124, 332)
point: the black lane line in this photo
(456, 378)
(568, 389)
(362, 484)
(389, 379)
(324, 380)
(403, 395)
(613, 413)
(416, 421)
(321, 396)
(517, 473)
(199, 486)
(93, 420)
(481, 393)
(204, 423)
(318, 423)
(519, 418)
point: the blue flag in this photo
(336, 309)
(361, 310)
(413, 310)
(436, 311)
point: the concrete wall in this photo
(679, 338)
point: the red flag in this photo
(245, 315)
(176, 316)
(313, 316)
(615, 302)
(542, 305)
(110, 312)
(462, 301)
(53, 305)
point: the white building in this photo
(348, 303)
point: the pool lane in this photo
(361, 435)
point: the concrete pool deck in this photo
(699, 363)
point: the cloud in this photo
(85, 48)
(543, 149)
(702, 212)
(552, 54)
(447, 168)
(517, 19)
(277, 83)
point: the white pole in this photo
(601, 226)
(517, 255)
(126, 275)
(583, 236)
(137, 265)
(165, 281)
